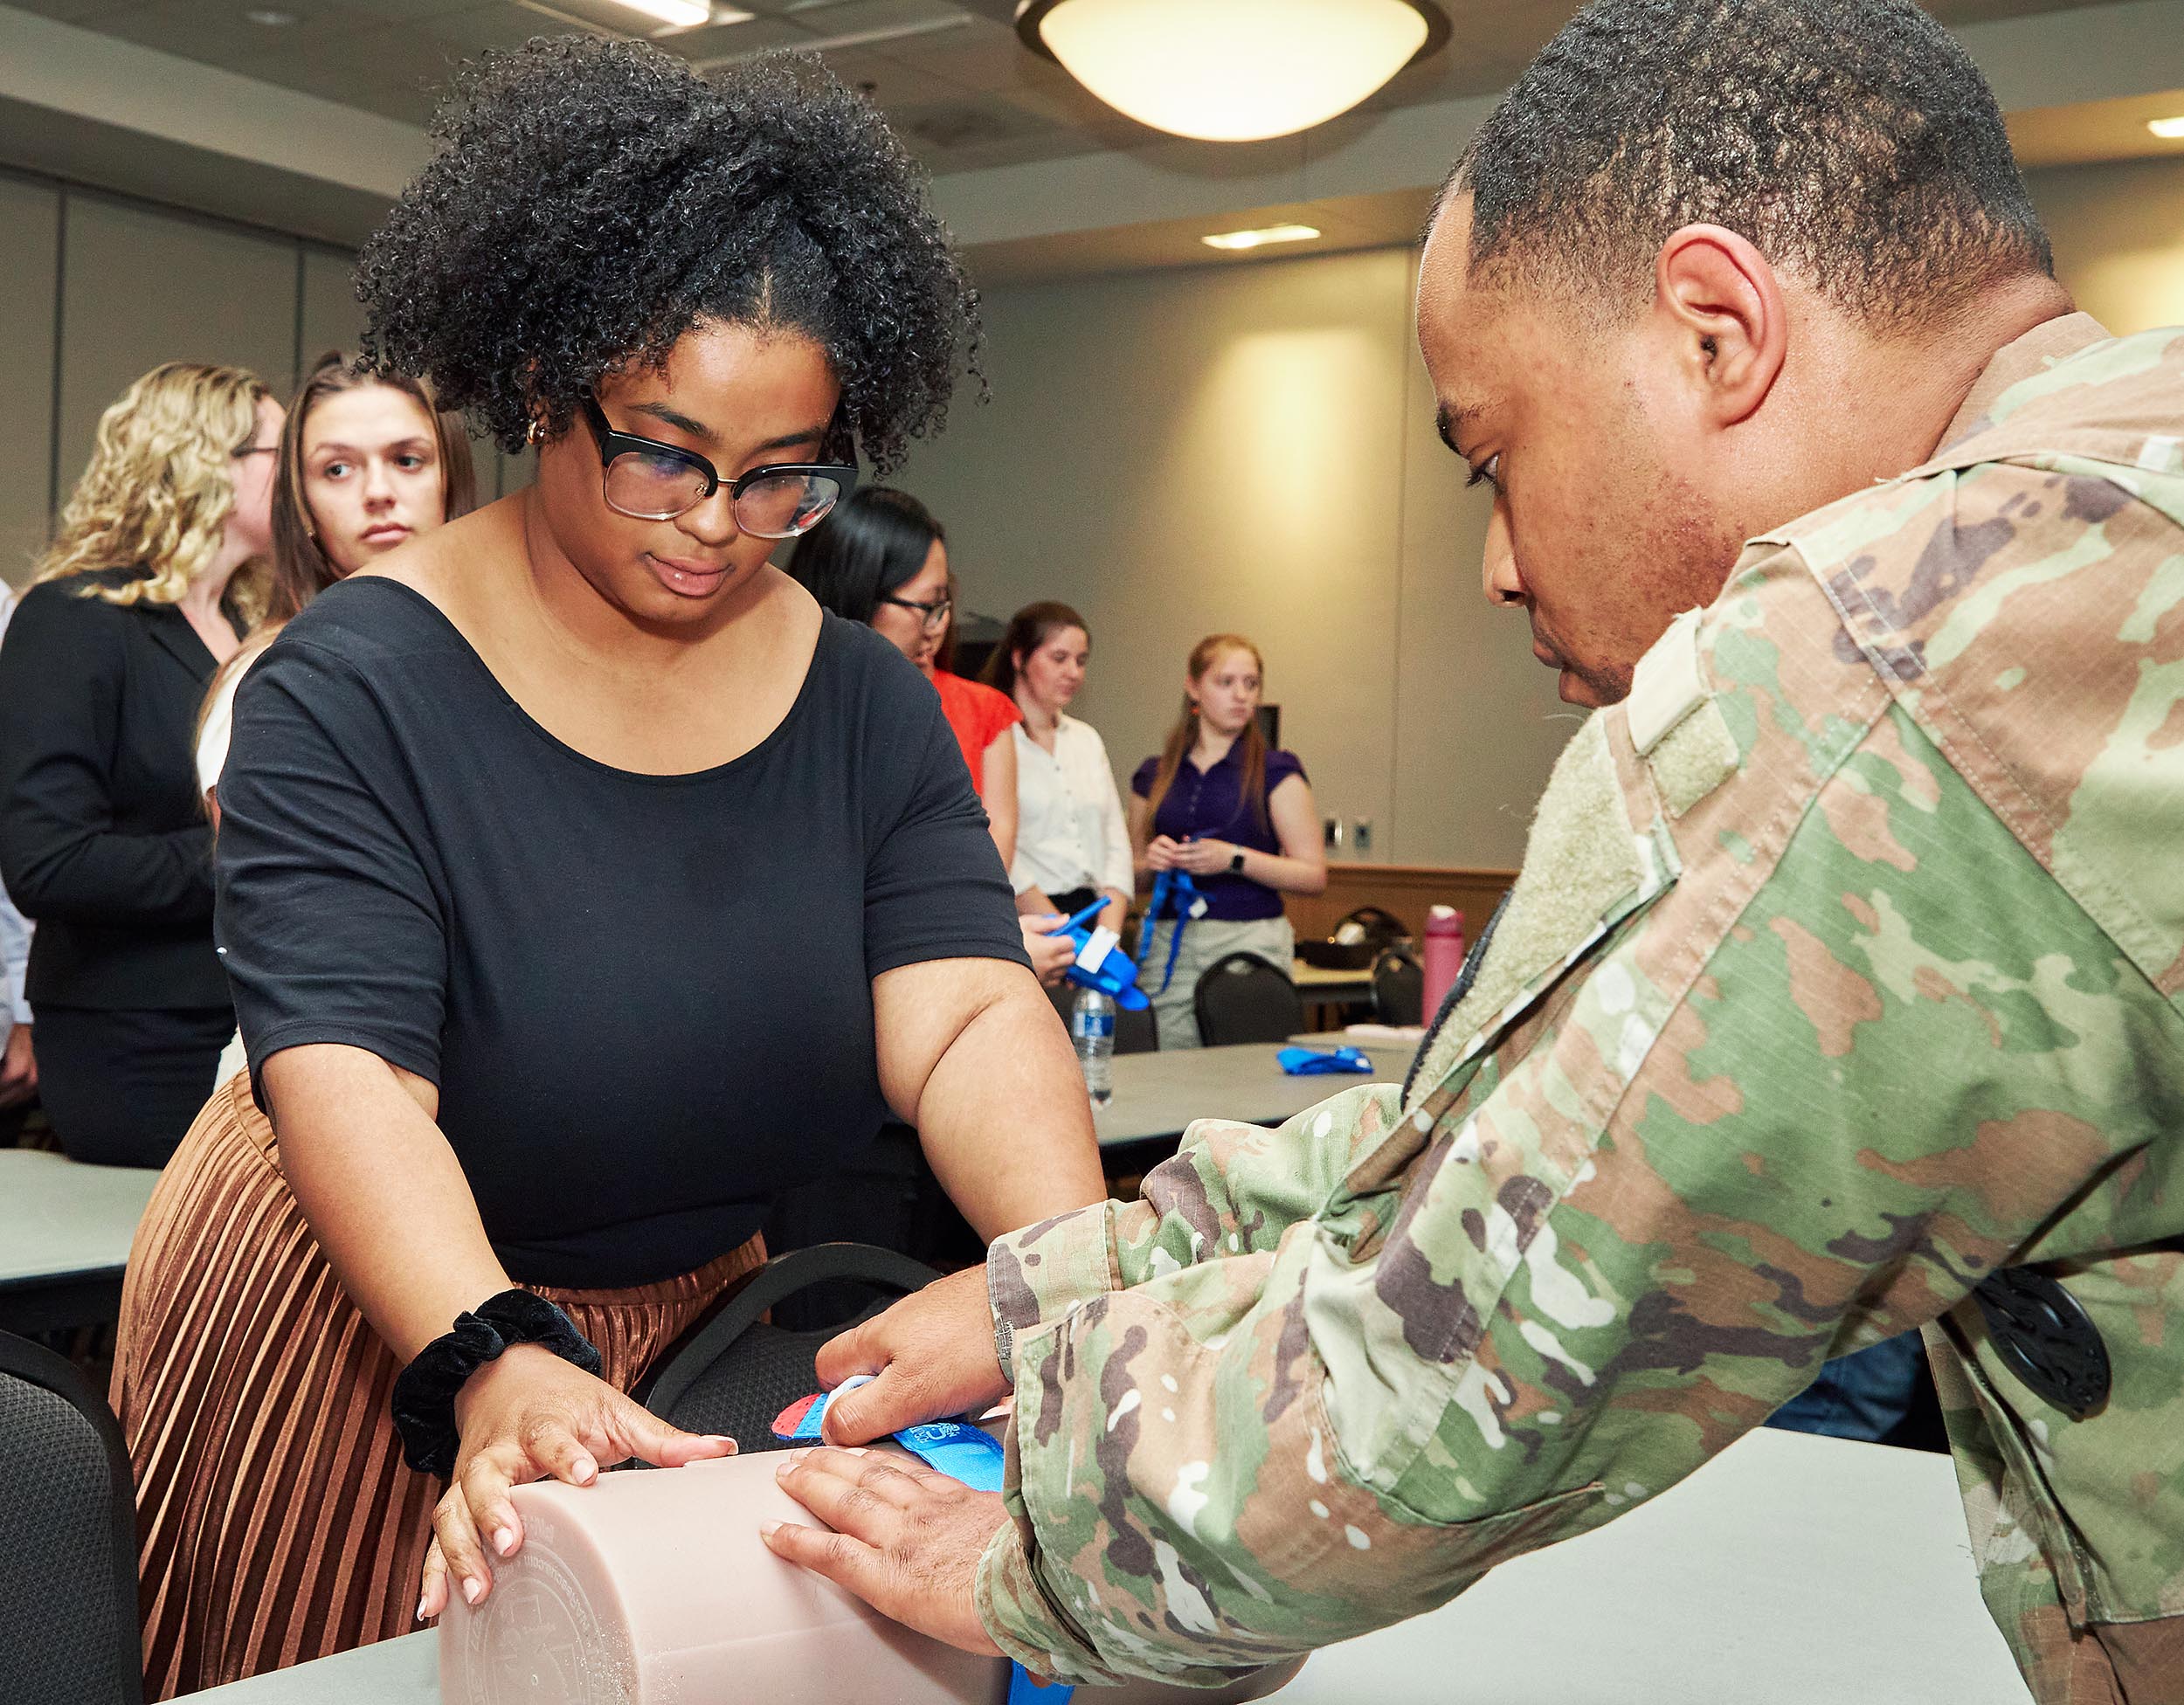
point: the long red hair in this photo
(1203, 655)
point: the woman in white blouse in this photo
(1072, 846)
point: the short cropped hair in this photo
(1852, 142)
(591, 202)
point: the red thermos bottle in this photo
(1444, 957)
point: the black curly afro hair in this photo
(590, 202)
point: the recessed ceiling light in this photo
(683, 14)
(2170, 130)
(270, 19)
(1261, 237)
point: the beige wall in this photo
(101, 288)
(1251, 449)
(2118, 236)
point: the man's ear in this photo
(1724, 309)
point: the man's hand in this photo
(906, 1540)
(932, 1355)
(18, 1069)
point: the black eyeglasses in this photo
(648, 480)
(933, 615)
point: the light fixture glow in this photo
(2170, 130)
(1232, 71)
(1261, 237)
(683, 14)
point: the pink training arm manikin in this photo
(652, 1587)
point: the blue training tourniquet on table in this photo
(958, 1449)
(1312, 1062)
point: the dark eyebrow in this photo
(1449, 421)
(682, 423)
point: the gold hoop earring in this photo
(536, 434)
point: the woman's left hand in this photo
(906, 1540)
(1051, 955)
(1204, 858)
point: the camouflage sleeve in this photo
(1230, 1189)
(1790, 1042)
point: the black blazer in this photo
(102, 839)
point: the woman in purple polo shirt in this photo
(1237, 815)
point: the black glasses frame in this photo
(933, 615)
(613, 443)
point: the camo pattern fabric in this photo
(1860, 981)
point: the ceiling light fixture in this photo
(2170, 130)
(1232, 71)
(1261, 237)
(683, 14)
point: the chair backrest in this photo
(735, 1371)
(1381, 929)
(1135, 1032)
(1241, 998)
(1398, 988)
(68, 1617)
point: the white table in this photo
(64, 1233)
(1158, 1094)
(1795, 1570)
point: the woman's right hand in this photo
(1160, 852)
(528, 1415)
(1051, 955)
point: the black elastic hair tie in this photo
(424, 1400)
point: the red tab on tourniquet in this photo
(785, 1424)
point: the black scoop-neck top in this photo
(645, 999)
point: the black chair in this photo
(1380, 928)
(735, 1371)
(1135, 1032)
(1241, 998)
(68, 1627)
(1399, 987)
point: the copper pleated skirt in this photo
(276, 1521)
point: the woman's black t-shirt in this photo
(645, 999)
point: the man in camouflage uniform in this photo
(1840, 991)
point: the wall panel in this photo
(142, 286)
(330, 317)
(30, 213)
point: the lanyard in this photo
(1174, 888)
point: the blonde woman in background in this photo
(146, 591)
(1236, 814)
(367, 463)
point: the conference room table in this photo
(1796, 1570)
(1158, 1093)
(65, 1235)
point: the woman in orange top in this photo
(880, 558)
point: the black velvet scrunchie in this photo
(424, 1402)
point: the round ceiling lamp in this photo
(1232, 71)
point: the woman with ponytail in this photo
(1237, 816)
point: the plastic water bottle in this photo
(1092, 1028)
(1443, 956)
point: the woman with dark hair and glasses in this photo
(883, 559)
(582, 883)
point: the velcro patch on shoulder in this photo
(1668, 684)
(1694, 758)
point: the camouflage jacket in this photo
(1843, 969)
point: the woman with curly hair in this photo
(139, 598)
(583, 884)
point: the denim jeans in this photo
(1864, 1395)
